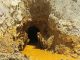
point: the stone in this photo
(9, 56)
(57, 20)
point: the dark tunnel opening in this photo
(32, 35)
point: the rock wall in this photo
(10, 17)
(57, 20)
(66, 16)
(11, 14)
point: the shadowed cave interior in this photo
(32, 35)
(39, 11)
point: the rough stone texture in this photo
(15, 56)
(66, 15)
(57, 20)
(10, 16)
(11, 12)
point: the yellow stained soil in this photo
(37, 54)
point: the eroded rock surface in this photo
(15, 56)
(57, 20)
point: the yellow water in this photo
(38, 54)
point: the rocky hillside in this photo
(57, 21)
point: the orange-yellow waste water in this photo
(38, 54)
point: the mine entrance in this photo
(32, 35)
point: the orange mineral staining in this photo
(37, 54)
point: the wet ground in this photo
(37, 54)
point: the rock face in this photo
(57, 20)
(67, 13)
(10, 17)
(15, 56)
(11, 12)
(66, 16)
